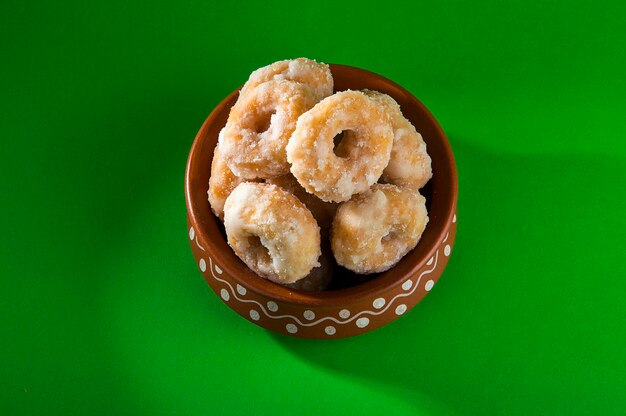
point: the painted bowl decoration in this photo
(354, 304)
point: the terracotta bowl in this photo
(356, 305)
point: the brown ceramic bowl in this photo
(366, 303)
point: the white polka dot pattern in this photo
(400, 309)
(360, 319)
(362, 322)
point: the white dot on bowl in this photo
(429, 285)
(217, 269)
(192, 233)
(362, 322)
(291, 328)
(447, 249)
(330, 330)
(254, 315)
(272, 306)
(310, 315)
(407, 285)
(378, 303)
(430, 261)
(241, 290)
(344, 313)
(225, 295)
(401, 309)
(202, 265)
(454, 218)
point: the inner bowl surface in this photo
(332, 312)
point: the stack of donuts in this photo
(303, 177)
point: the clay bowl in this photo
(355, 304)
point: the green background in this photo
(103, 311)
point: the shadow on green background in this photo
(512, 327)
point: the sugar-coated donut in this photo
(410, 164)
(272, 232)
(322, 211)
(320, 277)
(314, 75)
(259, 126)
(363, 153)
(221, 183)
(375, 229)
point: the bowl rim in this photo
(379, 285)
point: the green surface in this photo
(103, 311)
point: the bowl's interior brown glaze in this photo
(440, 194)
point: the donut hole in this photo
(341, 143)
(263, 121)
(260, 252)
